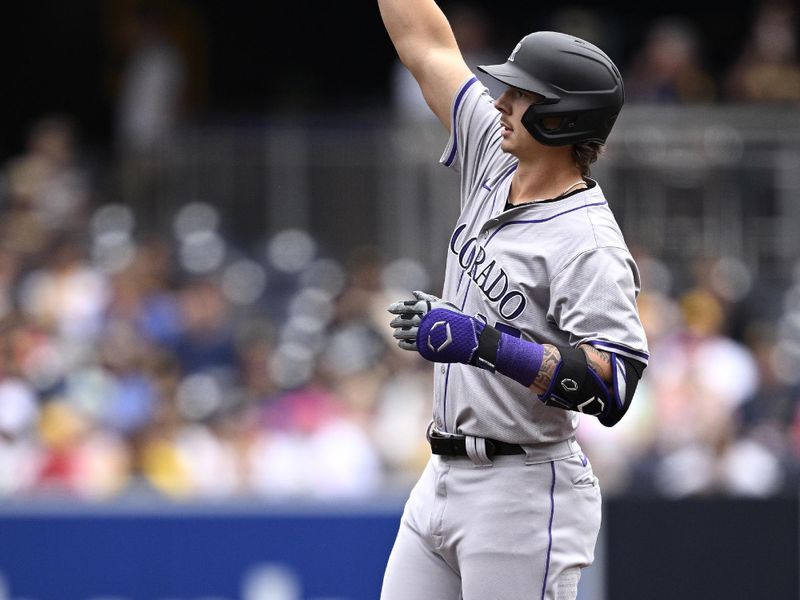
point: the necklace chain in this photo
(576, 184)
(564, 193)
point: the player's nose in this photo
(501, 103)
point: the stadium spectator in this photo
(768, 68)
(158, 82)
(19, 442)
(150, 98)
(10, 269)
(669, 66)
(206, 336)
(48, 188)
(600, 27)
(65, 292)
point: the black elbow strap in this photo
(575, 385)
(626, 375)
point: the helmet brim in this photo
(511, 75)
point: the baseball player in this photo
(537, 320)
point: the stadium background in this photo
(201, 224)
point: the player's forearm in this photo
(577, 379)
(415, 27)
(598, 360)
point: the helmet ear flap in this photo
(550, 127)
(544, 127)
(529, 120)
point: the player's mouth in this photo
(505, 130)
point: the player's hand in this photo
(436, 329)
(409, 316)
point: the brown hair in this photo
(584, 154)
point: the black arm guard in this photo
(627, 373)
(576, 386)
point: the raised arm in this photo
(425, 43)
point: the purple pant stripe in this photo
(550, 526)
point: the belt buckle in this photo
(442, 442)
(443, 435)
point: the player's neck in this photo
(543, 181)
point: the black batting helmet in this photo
(579, 83)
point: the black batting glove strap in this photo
(488, 345)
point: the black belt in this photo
(447, 445)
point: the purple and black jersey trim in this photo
(456, 105)
(543, 220)
(642, 357)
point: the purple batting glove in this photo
(446, 336)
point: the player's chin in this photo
(508, 146)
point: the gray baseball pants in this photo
(510, 530)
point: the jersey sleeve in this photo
(474, 133)
(593, 299)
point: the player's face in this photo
(512, 104)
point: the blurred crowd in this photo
(179, 365)
(718, 410)
(676, 59)
(176, 364)
(671, 59)
(673, 64)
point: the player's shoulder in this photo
(587, 225)
(474, 131)
(586, 219)
(601, 221)
(472, 101)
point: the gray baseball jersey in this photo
(556, 272)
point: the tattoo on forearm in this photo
(549, 363)
(599, 361)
